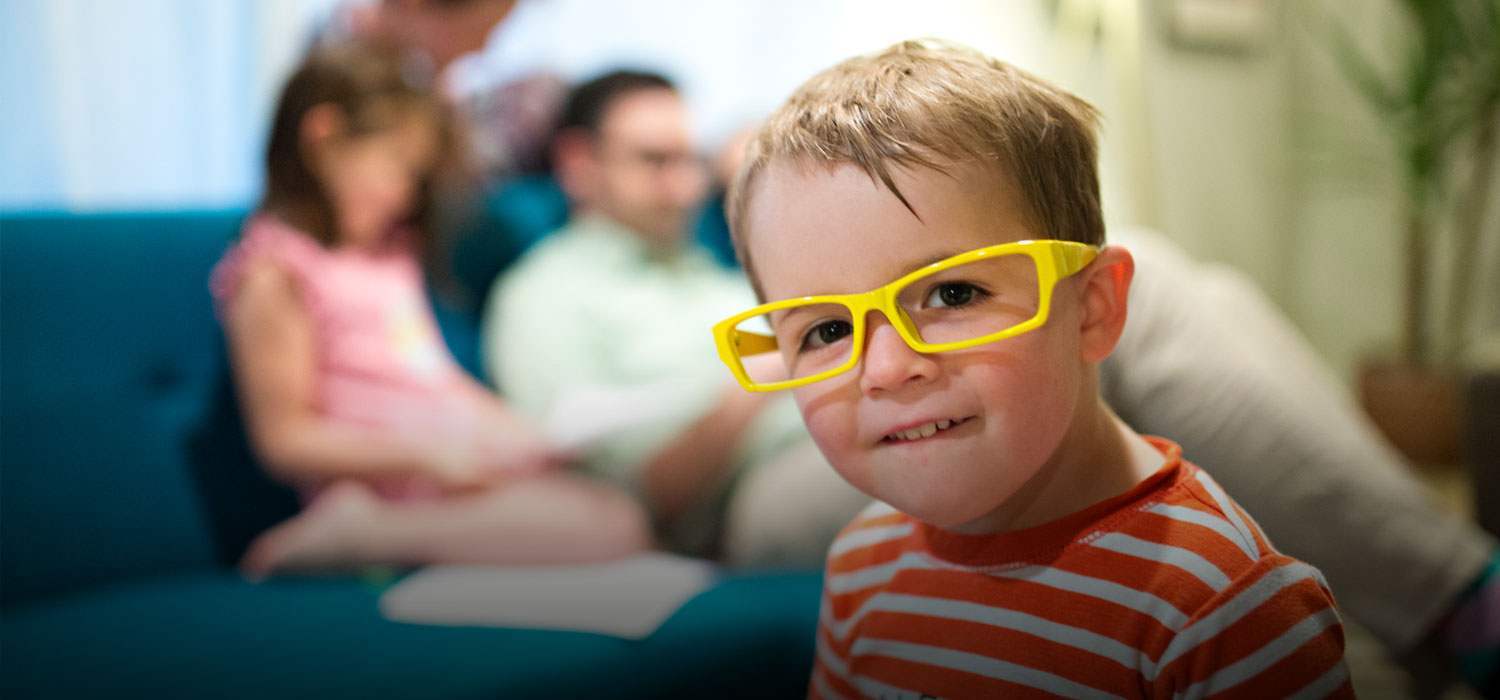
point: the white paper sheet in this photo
(585, 416)
(627, 598)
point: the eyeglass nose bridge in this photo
(884, 301)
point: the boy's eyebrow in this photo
(924, 262)
(929, 260)
(783, 314)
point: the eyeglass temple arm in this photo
(1074, 258)
(751, 343)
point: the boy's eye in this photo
(953, 294)
(826, 333)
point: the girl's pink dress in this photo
(381, 362)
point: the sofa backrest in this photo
(506, 222)
(113, 386)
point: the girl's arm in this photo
(271, 351)
(688, 469)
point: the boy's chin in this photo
(945, 515)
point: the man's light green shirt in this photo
(594, 307)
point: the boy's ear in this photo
(1104, 293)
(321, 125)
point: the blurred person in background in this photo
(510, 111)
(348, 392)
(1209, 362)
(619, 301)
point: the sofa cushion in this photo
(108, 353)
(214, 635)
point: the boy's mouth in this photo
(926, 430)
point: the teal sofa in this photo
(127, 491)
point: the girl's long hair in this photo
(374, 85)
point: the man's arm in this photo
(1209, 363)
(690, 467)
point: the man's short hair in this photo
(934, 103)
(587, 103)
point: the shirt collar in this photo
(613, 238)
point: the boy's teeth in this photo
(921, 431)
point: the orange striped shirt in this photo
(1168, 590)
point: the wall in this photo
(1267, 160)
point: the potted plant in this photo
(1438, 100)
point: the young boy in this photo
(1026, 542)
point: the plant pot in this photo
(1420, 409)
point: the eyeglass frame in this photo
(1054, 259)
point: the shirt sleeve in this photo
(1274, 632)
(529, 352)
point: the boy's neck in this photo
(1100, 457)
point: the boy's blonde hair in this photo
(930, 103)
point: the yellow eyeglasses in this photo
(969, 299)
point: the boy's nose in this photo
(889, 363)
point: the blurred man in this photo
(616, 306)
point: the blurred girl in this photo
(348, 392)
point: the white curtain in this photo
(145, 104)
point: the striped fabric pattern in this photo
(1167, 591)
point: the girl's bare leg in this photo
(549, 519)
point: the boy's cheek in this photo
(832, 427)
